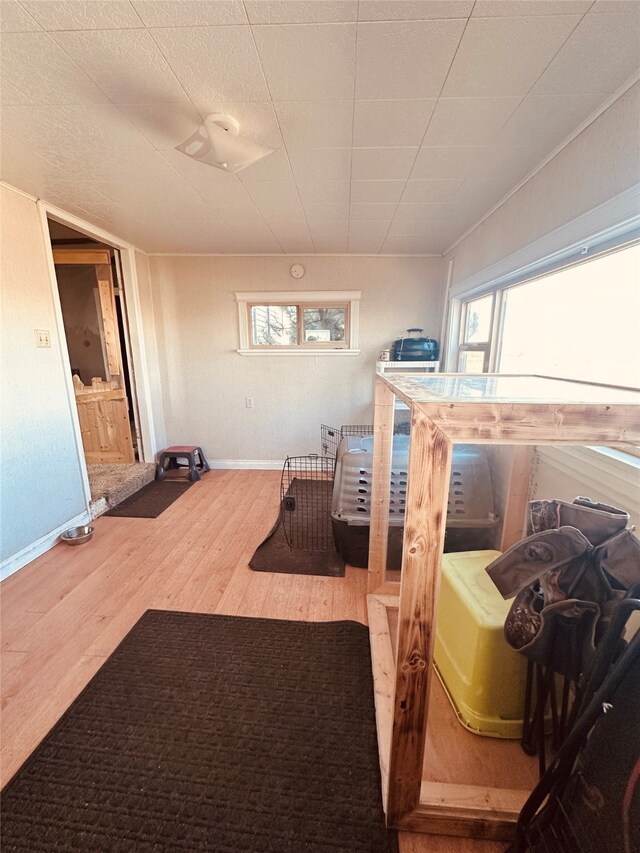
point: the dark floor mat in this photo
(151, 500)
(275, 555)
(211, 733)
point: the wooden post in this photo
(109, 319)
(382, 452)
(513, 525)
(425, 518)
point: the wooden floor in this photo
(65, 612)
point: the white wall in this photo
(205, 381)
(40, 476)
(601, 162)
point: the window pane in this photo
(478, 320)
(274, 325)
(580, 323)
(322, 325)
(471, 361)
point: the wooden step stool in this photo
(194, 456)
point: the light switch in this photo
(43, 339)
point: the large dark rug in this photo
(151, 500)
(211, 733)
(275, 555)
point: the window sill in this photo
(297, 352)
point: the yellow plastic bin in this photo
(482, 675)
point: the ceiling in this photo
(396, 124)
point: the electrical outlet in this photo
(248, 401)
(43, 338)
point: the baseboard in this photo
(36, 549)
(254, 464)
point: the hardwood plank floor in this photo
(63, 614)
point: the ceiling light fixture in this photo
(218, 143)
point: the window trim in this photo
(302, 298)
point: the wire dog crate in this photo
(330, 437)
(306, 489)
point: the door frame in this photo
(132, 311)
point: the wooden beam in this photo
(87, 257)
(514, 522)
(471, 811)
(382, 452)
(425, 518)
(384, 676)
(109, 318)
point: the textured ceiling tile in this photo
(324, 192)
(364, 244)
(547, 120)
(21, 167)
(417, 56)
(273, 196)
(218, 188)
(263, 245)
(602, 53)
(402, 245)
(413, 10)
(526, 8)
(83, 14)
(300, 11)
(376, 192)
(162, 125)
(363, 210)
(214, 63)
(412, 218)
(126, 64)
(614, 6)
(456, 121)
(385, 124)
(372, 227)
(482, 194)
(308, 62)
(190, 13)
(14, 19)
(430, 191)
(328, 228)
(444, 162)
(375, 227)
(326, 212)
(11, 96)
(273, 167)
(316, 124)
(384, 164)
(505, 56)
(331, 245)
(37, 66)
(319, 164)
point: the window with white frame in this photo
(290, 323)
(579, 322)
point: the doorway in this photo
(95, 326)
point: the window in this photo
(300, 323)
(578, 322)
(475, 341)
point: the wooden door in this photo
(103, 407)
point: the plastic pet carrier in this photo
(471, 519)
(415, 348)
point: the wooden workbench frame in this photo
(402, 680)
